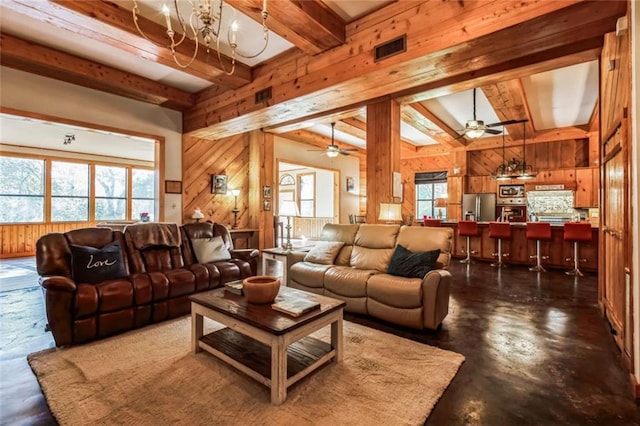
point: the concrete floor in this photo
(538, 351)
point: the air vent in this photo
(263, 95)
(390, 48)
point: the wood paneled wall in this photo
(410, 167)
(201, 159)
(19, 240)
(615, 82)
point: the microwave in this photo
(511, 195)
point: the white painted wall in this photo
(324, 188)
(33, 93)
(297, 152)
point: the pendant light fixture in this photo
(514, 169)
(526, 171)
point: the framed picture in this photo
(173, 187)
(219, 184)
(266, 205)
(397, 185)
(351, 186)
(266, 192)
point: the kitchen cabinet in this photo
(586, 187)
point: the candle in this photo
(167, 16)
(234, 28)
(264, 5)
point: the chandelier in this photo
(514, 169)
(203, 25)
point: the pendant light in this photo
(526, 171)
(502, 170)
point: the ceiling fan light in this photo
(475, 133)
(333, 153)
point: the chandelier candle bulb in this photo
(167, 17)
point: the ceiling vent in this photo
(390, 48)
(263, 95)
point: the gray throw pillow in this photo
(324, 252)
(209, 250)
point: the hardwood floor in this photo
(537, 350)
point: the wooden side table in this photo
(276, 255)
(243, 234)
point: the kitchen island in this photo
(519, 248)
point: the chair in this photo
(435, 223)
(467, 228)
(538, 231)
(576, 232)
(500, 231)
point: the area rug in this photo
(149, 376)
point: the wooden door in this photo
(613, 286)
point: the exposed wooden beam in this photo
(343, 127)
(425, 151)
(312, 120)
(106, 22)
(491, 34)
(448, 136)
(310, 25)
(420, 123)
(38, 59)
(531, 125)
(507, 102)
(355, 122)
(550, 135)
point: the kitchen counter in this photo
(520, 248)
(516, 224)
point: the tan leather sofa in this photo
(358, 275)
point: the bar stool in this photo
(538, 231)
(436, 223)
(500, 231)
(575, 232)
(467, 228)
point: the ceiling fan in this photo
(476, 128)
(334, 150)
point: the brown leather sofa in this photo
(358, 273)
(157, 280)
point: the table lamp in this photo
(235, 193)
(288, 208)
(197, 214)
(440, 203)
(390, 212)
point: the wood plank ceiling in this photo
(329, 76)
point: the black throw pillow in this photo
(405, 263)
(94, 265)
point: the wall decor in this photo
(173, 187)
(397, 185)
(351, 186)
(266, 205)
(266, 192)
(219, 184)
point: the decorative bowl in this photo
(261, 289)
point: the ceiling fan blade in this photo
(461, 136)
(318, 150)
(349, 149)
(493, 131)
(344, 153)
(507, 123)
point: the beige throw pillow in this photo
(324, 252)
(210, 249)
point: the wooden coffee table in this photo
(271, 347)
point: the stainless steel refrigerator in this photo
(480, 207)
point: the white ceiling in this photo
(558, 98)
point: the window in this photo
(21, 190)
(429, 188)
(111, 193)
(307, 194)
(142, 193)
(69, 192)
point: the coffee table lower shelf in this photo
(254, 358)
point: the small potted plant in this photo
(144, 217)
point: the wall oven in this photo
(513, 213)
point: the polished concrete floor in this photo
(537, 350)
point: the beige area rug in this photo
(150, 377)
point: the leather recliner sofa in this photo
(154, 287)
(358, 274)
